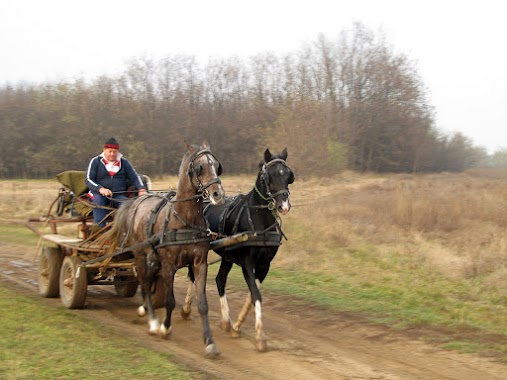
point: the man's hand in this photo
(105, 192)
(142, 192)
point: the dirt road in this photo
(304, 343)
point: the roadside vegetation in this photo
(32, 346)
(422, 254)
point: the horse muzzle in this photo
(283, 207)
(216, 194)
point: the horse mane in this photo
(181, 170)
(190, 149)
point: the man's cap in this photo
(111, 144)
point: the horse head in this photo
(277, 176)
(203, 170)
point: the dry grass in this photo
(454, 223)
(23, 198)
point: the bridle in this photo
(196, 169)
(264, 177)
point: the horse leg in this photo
(147, 307)
(152, 268)
(201, 273)
(256, 300)
(187, 306)
(221, 280)
(260, 339)
(170, 303)
(236, 327)
(248, 274)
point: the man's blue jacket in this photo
(97, 176)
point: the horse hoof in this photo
(225, 325)
(185, 314)
(154, 327)
(141, 311)
(211, 351)
(261, 345)
(235, 333)
(165, 332)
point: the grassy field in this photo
(425, 254)
(32, 346)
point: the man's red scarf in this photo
(112, 167)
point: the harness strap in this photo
(236, 222)
(187, 224)
(155, 211)
(182, 237)
(222, 220)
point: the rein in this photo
(271, 201)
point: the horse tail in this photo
(119, 227)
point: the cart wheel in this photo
(125, 286)
(158, 292)
(72, 287)
(50, 262)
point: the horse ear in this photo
(205, 144)
(284, 154)
(291, 178)
(267, 156)
(189, 147)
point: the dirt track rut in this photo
(304, 343)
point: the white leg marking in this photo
(224, 307)
(258, 316)
(141, 311)
(154, 326)
(164, 332)
(260, 338)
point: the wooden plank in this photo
(61, 239)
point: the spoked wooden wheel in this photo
(73, 283)
(50, 263)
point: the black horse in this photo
(257, 213)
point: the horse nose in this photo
(217, 196)
(284, 207)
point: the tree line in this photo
(350, 103)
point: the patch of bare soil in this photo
(303, 342)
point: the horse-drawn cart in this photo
(67, 265)
(71, 256)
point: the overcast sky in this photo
(460, 47)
